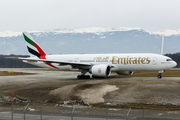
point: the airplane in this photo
(99, 65)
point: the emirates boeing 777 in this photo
(99, 65)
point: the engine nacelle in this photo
(125, 72)
(102, 70)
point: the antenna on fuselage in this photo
(162, 46)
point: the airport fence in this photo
(105, 111)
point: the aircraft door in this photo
(154, 61)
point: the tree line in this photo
(12, 63)
(175, 57)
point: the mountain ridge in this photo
(96, 30)
(92, 40)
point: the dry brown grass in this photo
(9, 73)
(139, 106)
(167, 73)
(150, 82)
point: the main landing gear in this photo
(83, 76)
(160, 74)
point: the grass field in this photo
(140, 106)
(167, 73)
(9, 73)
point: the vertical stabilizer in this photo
(33, 48)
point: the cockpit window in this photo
(169, 60)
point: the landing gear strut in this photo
(160, 74)
(83, 76)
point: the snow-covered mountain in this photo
(93, 40)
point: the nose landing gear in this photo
(160, 74)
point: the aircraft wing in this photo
(74, 64)
(55, 61)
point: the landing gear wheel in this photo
(83, 77)
(160, 72)
(96, 77)
(159, 76)
(79, 77)
(86, 76)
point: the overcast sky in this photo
(28, 15)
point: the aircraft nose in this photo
(174, 64)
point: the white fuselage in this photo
(118, 62)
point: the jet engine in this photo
(102, 70)
(125, 72)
